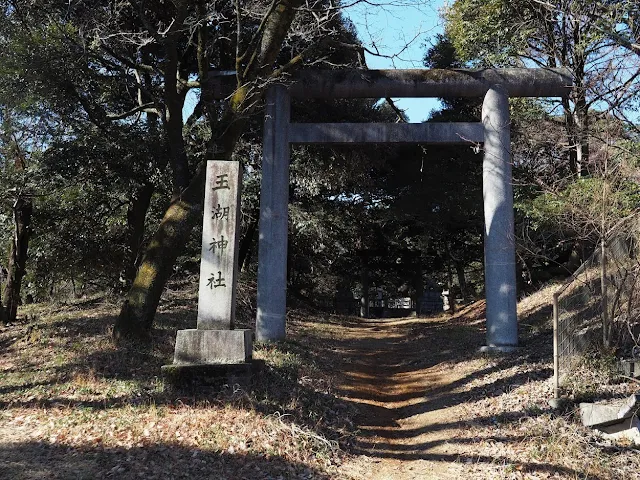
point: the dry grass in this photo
(72, 405)
(508, 413)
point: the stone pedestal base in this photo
(211, 358)
(198, 376)
(205, 347)
(498, 349)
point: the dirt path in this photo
(404, 374)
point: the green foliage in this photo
(526, 32)
(583, 201)
(588, 206)
(484, 33)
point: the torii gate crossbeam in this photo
(496, 85)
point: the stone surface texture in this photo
(611, 412)
(212, 346)
(393, 133)
(219, 257)
(599, 414)
(630, 407)
(499, 238)
(356, 83)
(274, 214)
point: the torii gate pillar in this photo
(274, 208)
(499, 241)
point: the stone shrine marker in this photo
(214, 342)
(217, 294)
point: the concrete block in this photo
(212, 346)
(630, 407)
(621, 426)
(607, 413)
(631, 435)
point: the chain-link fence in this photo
(585, 320)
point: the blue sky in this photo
(389, 28)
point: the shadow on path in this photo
(408, 376)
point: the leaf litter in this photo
(341, 398)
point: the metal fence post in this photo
(556, 366)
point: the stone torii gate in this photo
(496, 85)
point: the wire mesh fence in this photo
(599, 306)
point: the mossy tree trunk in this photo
(136, 215)
(139, 308)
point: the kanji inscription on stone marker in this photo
(220, 226)
(221, 181)
(220, 213)
(219, 245)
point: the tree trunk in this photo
(364, 278)
(606, 320)
(139, 206)
(136, 215)
(578, 120)
(575, 166)
(452, 293)
(137, 313)
(606, 327)
(462, 280)
(582, 134)
(22, 210)
(245, 244)
(418, 283)
(3, 312)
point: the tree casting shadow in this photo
(36, 460)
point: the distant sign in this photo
(400, 303)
